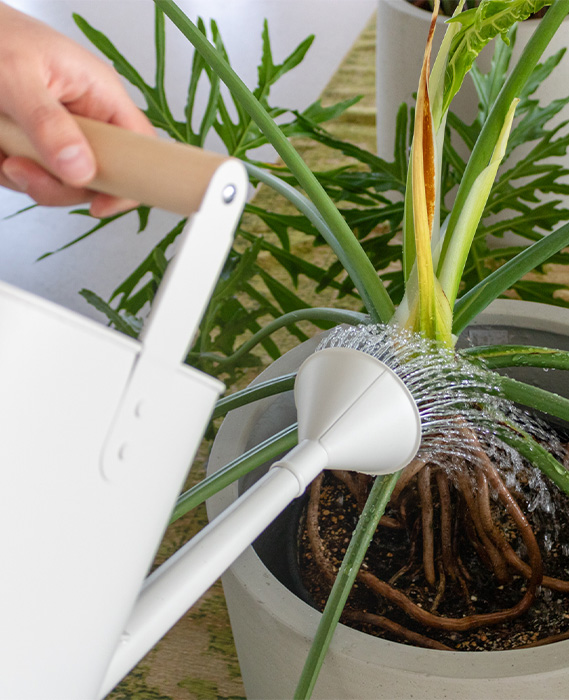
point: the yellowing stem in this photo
(424, 191)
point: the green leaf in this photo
(452, 263)
(198, 69)
(541, 292)
(160, 44)
(489, 85)
(148, 265)
(125, 324)
(512, 88)
(268, 72)
(101, 223)
(287, 300)
(478, 27)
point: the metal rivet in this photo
(228, 194)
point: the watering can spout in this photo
(353, 412)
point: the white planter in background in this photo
(273, 628)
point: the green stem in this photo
(536, 454)
(346, 246)
(315, 314)
(535, 397)
(254, 393)
(478, 298)
(498, 356)
(266, 451)
(365, 529)
(302, 203)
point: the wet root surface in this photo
(449, 566)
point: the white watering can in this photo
(98, 429)
(98, 432)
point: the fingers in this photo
(104, 205)
(44, 78)
(60, 143)
(26, 176)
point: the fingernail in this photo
(17, 178)
(75, 165)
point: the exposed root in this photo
(465, 512)
(385, 623)
(407, 567)
(424, 484)
(448, 560)
(440, 589)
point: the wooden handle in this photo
(152, 171)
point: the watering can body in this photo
(100, 429)
(80, 517)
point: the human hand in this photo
(43, 77)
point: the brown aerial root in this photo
(391, 523)
(407, 475)
(409, 565)
(468, 622)
(448, 560)
(384, 623)
(356, 484)
(424, 485)
(509, 554)
(428, 619)
(475, 485)
(486, 550)
(535, 568)
(441, 588)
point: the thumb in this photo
(59, 141)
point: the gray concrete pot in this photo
(273, 628)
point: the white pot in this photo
(273, 628)
(402, 31)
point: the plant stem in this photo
(497, 356)
(497, 282)
(335, 316)
(267, 451)
(367, 524)
(254, 392)
(346, 246)
(302, 203)
(535, 397)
